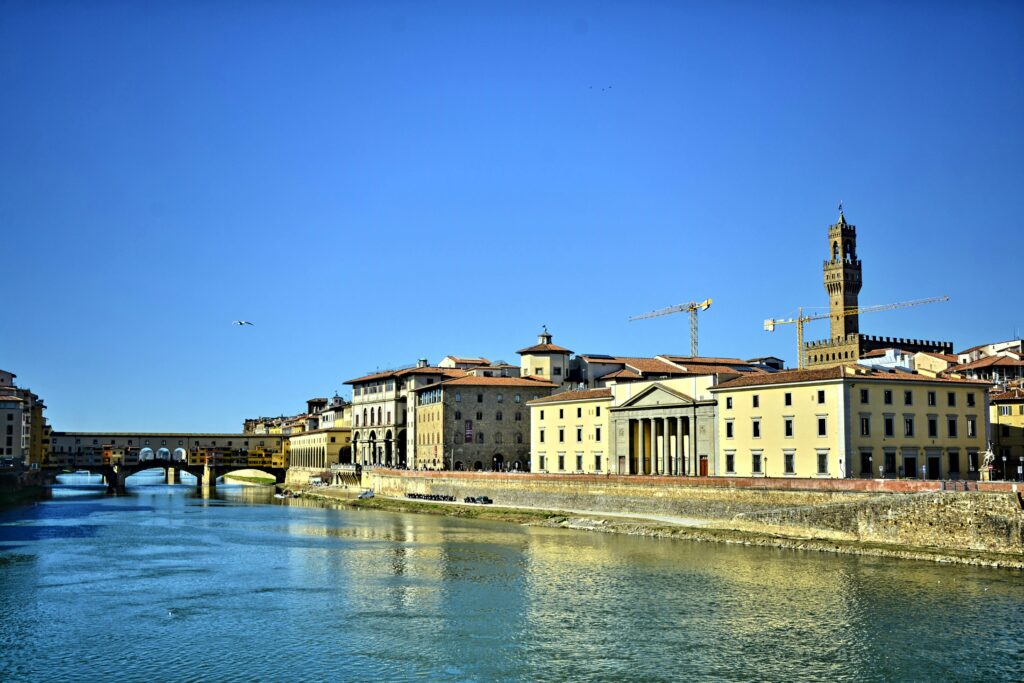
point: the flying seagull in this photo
(242, 322)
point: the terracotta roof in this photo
(478, 359)
(948, 357)
(851, 372)
(703, 360)
(11, 398)
(544, 348)
(448, 372)
(620, 374)
(472, 381)
(651, 365)
(585, 395)
(986, 362)
(1014, 394)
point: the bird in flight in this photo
(242, 322)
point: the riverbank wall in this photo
(989, 517)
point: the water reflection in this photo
(294, 590)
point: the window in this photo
(951, 399)
(821, 395)
(756, 428)
(822, 426)
(497, 416)
(540, 433)
(954, 462)
(970, 400)
(557, 370)
(579, 434)
(500, 398)
(788, 462)
(561, 462)
(728, 430)
(863, 395)
(756, 401)
(755, 462)
(479, 437)
(1004, 430)
(561, 435)
(887, 397)
(597, 435)
(822, 462)
(519, 437)
(597, 462)
(542, 414)
(787, 399)
(458, 397)
(890, 426)
(458, 414)
(908, 425)
(597, 411)
(730, 463)
(579, 462)
(479, 415)
(788, 426)
(908, 398)
(561, 413)
(540, 456)
(518, 398)
(931, 398)
(865, 426)
(479, 398)
(728, 402)
(951, 424)
(519, 416)
(579, 412)
(972, 428)
(933, 428)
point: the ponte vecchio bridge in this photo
(118, 455)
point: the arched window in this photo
(364, 417)
(835, 251)
(847, 253)
(380, 415)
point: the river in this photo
(165, 585)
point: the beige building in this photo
(1007, 416)
(545, 360)
(476, 422)
(22, 425)
(570, 432)
(851, 421)
(384, 415)
(325, 438)
(654, 416)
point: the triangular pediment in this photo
(657, 396)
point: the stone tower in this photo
(842, 277)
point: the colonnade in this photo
(669, 456)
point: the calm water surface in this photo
(161, 585)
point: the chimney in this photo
(421, 363)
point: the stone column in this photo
(665, 465)
(679, 446)
(687, 455)
(636, 457)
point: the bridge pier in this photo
(206, 478)
(114, 478)
(173, 475)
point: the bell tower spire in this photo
(842, 276)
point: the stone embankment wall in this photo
(911, 513)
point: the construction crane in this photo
(692, 307)
(800, 319)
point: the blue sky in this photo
(375, 182)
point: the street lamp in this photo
(1004, 469)
(871, 465)
(881, 470)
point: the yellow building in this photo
(320, 448)
(1007, 417)
(851, 421)
(545, 360)
(571, 432)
